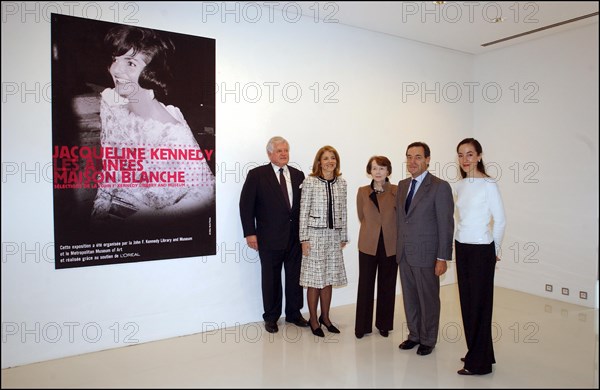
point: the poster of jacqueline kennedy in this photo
(133, 143)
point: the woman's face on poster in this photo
(125, 71)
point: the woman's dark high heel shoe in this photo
(317, 332)
(329, 327)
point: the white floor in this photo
(538, 343)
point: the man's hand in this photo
(252, 242)
(440, 267)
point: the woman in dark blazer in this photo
(376, 206)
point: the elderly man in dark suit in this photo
(425, 211)
(270, 210)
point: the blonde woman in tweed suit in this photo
(323, 234)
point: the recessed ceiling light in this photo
(497, 20)
(439, 2)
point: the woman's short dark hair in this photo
(382, 161)
(156, 49)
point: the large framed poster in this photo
(133, 143)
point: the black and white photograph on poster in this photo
(133, 143)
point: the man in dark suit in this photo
(270, 211)
(425, 211)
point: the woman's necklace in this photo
(378, 190)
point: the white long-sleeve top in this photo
(481, 218)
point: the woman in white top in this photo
(477, 244)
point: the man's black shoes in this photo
(301, 322)
(408, 344)
(424, 350)
(271, 327)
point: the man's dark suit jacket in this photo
(263, 208)
(425, 233)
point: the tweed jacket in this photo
(373, 221)
(313, 206)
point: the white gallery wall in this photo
(314, 83)
(541, 140)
